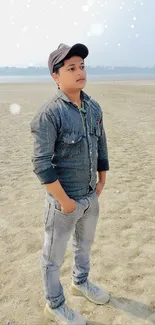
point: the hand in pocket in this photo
(69, 206)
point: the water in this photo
(47, 78)
(24, 79)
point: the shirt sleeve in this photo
(44, 132)
(103, 161)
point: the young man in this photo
(69, 149)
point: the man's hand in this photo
(101, 182)
(99, 188)
(69, 206)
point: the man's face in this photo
(72, 76)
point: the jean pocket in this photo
(58, 210)
(70, 145)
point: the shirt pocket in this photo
(95, 131)
(70, 145)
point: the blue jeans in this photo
(59, 227)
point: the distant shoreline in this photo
(90, 78)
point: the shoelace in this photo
(67, 312)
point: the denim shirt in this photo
(69, 144)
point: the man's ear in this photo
(56, 78)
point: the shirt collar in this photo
(84, 97)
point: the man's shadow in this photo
(132, 307)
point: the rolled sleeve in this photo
(103, 161)
(44, 132)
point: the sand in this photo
(123, 254)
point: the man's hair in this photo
(58, 66)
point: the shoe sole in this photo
(49, 316)
(77, 293)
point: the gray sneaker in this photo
(64, 315)
(93, 293)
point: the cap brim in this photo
(78, 50)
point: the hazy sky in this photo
(116, 32)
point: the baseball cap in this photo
(64, 51)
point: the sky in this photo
(116, 32)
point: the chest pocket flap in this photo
(70, 145)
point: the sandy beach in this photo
(123, 254)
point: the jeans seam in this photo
(52, 236)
